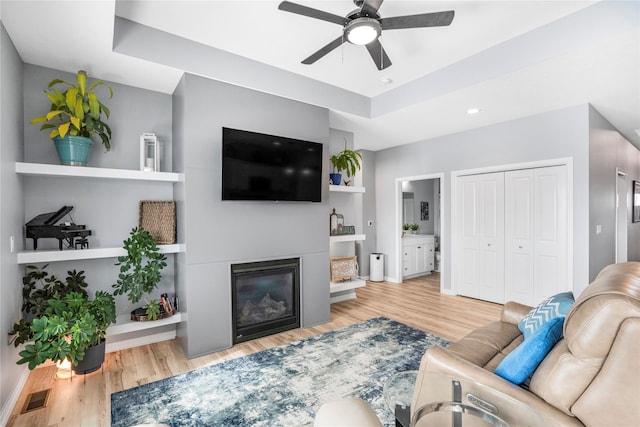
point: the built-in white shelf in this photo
(346, 189)
(347, 238)
(347, 285)
(124, 324)
(344, 291)
(30, 257)
(41, 169)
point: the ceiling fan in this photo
(363, 26)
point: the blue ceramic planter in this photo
(335, 178)
(73, 150)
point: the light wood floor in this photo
(87, 402)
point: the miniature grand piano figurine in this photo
(43, 226)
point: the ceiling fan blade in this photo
(378, 54)
(370, 7)
(323, 51)
(299, 9)
(436, 19)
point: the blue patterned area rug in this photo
(282, 386)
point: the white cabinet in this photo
(417, 255)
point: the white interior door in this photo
(519, 244)
(480, 222)
(550, 232)
(535, 234)
(622, 188)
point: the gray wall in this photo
(11, 217)
(609, 151)
(218, 234)
(368, 175)
(423, 191)
(108, 207)
(556, 134)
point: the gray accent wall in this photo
(220, 233)
(557, 134)
(11, 219)
(609, 152)
(109, 208)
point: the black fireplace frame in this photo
(242, 334)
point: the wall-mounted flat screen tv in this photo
(256, 166)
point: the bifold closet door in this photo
(480, 221)
(535, 234)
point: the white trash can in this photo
(376, 267)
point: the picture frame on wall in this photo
(424, 211)
(636, 202)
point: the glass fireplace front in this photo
(265, 298)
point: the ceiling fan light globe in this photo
(362, 31)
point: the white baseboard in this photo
(5, 412)
(135, 342)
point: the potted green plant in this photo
(65, 323)
(38, 287)
(347, 161)
(140, 272)
(414, 227)
(76, 115)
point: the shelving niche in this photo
(343, 291)
(124, 324)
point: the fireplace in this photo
(265, 298)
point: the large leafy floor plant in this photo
(59, 320)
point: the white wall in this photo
(552, 135)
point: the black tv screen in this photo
(256, 166)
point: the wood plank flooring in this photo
(87, 401)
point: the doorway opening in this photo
(419, 201)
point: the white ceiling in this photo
(508, 58)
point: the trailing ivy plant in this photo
(140, 269)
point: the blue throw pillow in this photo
(518, 365)
(556, 306)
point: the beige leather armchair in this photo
(591, 377)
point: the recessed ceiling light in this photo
(474, 110)
(386, 81)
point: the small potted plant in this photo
(347, 161)
(140, 273)
(76, 115)
(65, 323)
(414, 228)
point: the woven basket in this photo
(158, 217)
(344, 268)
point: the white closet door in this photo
(519, 240)
(550, 232)
(535, 234)
(481, 236)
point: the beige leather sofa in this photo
(591, 377)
